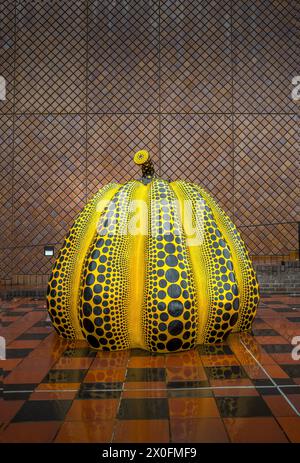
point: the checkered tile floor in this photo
(247, 390)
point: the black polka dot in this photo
(174, 344)
(171, 261)
(170, 248)
(90, 279)
(175, 327)
(87, 309)
(174, 291)
(93, 341)
(88, 325)
(172, 275)
(88, 294)
(175, 308)
(234, 319)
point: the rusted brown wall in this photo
(204, 85)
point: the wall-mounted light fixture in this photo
(49, 251)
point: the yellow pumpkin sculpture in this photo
(133, 272)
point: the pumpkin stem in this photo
(142, 158)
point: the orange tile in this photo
(255, 372)
(190, 358)
(111, 359)
(151, 385)
(198, 430)
(157, 361)
(275, 371)
(231, 382)
(194, 408)
(264, 429)
(236, 392)
(186, 373)
(271, 340)
(86, 431)
(291, 426)
(30, 432)
(265, 359)
(141, 431)
(58, 386)
(279, 406)
(10, 364)
(106, 375)
(219, 360)
(92, 410)
(24, 377)
(24, 344)
(144, 394)
(59, 395)
(66, 363)
(9, 408)
(284, 358)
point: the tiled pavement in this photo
(247, 390)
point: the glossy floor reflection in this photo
(247, 390)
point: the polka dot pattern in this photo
(223, 297)
(105, 279)
(248, 285)
(60, 282)
(170, 316)
(169, 319)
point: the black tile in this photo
(17, 353)
(64, 376)
(231, 407)
(102, 386)
(187, 384)
(282, 309)
(273, 302)
(225, 372)
(294, 319)
(277, 348)
(264, 332)
(142, 353)
(143, 409)
(32, 336)
(292, 370)
(43, 324)
(43, 410)
(284, 381)
(189, 393)
(18, 391)
(79, 352)
(290, 389)
(262, 382)
(96, 391)
(268, 391)
(146, 374)
(15, 314)
(214, 349)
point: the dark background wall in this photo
(205, 86)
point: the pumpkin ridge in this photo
(102, 306)
(137, 246)
(169, 320)
(62, 292)
(248, 286)
(221, 284)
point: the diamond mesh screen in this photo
(205, 86)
